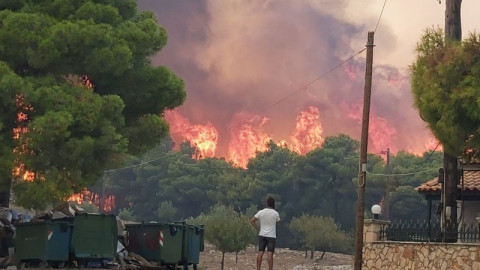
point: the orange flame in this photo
(203, 137)
(18, 131)
(106, 203)
(431, 143)
(381, 133)
(246, 138)
(78, 198)
(308, 131)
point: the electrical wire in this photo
(379, 17)
(400, 174)
(304, 87)
(431, 153)
(332, 69)
(141, 163)
(314, 80)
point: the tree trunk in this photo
(453, 22)
(323, 254)
(311, 254)
(236, 257)
(306, 253)
(450, 200)
(223, 260)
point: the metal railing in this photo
(424, 231)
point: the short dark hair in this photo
(271, 202)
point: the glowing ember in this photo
(86, 81)
(283, 144)
(246, 138)
(78, 198)
(29, 176)
(203, 137)
(308, 131)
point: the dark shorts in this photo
(266, 242)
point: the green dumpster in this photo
(160, 242)
(44, 241)
(94, 237)
(193, 244)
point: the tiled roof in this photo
(471, 183)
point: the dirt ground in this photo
(284, 259)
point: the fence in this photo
(424, 231)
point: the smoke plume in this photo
(240, 57)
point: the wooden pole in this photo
(363, 155)
(453, 33)
(386, 203)
(453, 22)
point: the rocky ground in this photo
(284, 259)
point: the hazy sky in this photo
(241, 56)
(406, 20)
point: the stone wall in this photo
(409, 255)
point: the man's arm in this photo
(253, 221)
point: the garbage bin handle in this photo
(173, 229)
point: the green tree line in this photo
(170, 185)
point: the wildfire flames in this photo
(21, 128)
(105, 203)
(380, 132)
(203, 137)
(308, 131)
(246, 138)
(433, 144)
(247, 135)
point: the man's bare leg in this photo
(259, 260)
(270, 260)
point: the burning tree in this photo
(82, 70)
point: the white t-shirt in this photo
(268, 219)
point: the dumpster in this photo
(160, 242)
(193, 244)
(94, 237)
(43, 241)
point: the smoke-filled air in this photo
(242, 60)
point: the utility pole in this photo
(453, 21)
(453, 33)
(386, 203)
(363, 155)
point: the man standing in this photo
(268, 219)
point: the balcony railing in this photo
(424, 231)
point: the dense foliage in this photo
(78, 74)
(170, 185)
(446, 87)
(320, 233)
(227, 230)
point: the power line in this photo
(379, 17)
(332, 69)
(401, 174)
(314, 80)
(282, 99)
(142, 163)
(431, 153)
